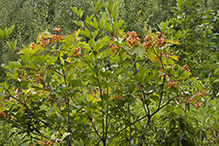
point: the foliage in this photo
(193, 27)
(111, 89)
(137, 13)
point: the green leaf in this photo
(9, 31)
(5, 85)
(94, 23)
(115, 14)
(103, 41)
(176, 140)
(139, 51)
(12, 45)
(216, 71)
(102, 22)
(5, 33)
(174, 58)
(92, 44)
(131, 87)
(48, 78)
(75, 10)
(108, 27)
(62, 61)
(185, 75)
(65, 135)
(99, 5)
(81, 13)
(86, 33)
(14, 64)
(79, 143)
(24, 84)
(79, 23)
(94, 34)
(38, 38)
(151, 55)
(118, 25)
(163, 26)
(88, 19)
(216, 81)
(2, 34)
(59, 120)
(109, 7)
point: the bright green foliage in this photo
(192, 25)
(4, 34)
(109, 90)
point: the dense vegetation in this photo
(104, 72)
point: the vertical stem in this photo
(103, 124)
(130, 131)
(106, 120)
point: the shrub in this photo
(113, 89)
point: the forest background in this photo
(193, 23)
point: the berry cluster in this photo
(45, 143)
(185, 67)
(76, 51)
(189, 99)
(56, 37)
(2, 115)
(39, 78)
(158, 41)
(172, 84)
(198, 103)
(132, 39)
(44, 42)
(113, 48)
(32, 45)
(148, 42)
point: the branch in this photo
(30, 111)
(149, 117)
(161, 94)
(40, 134)
(127, 127)
(90, 118)
(63, 116)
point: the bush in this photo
(112, 89)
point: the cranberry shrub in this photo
(112, 89)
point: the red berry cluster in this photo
(2, 115)
(113, 48)
(44, 42)
(45, 143)
(76, 51)
(132, 39)
(171, 84)
(198, 103)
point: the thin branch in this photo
(90, 118)
(127, 127)
(158, 109)
(144, 99)
(30, 111)
(98, 142)
(130, 131)
(161, 94)
(149, 116)
(63, 116)
(40, 134)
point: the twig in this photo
(30, 111)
